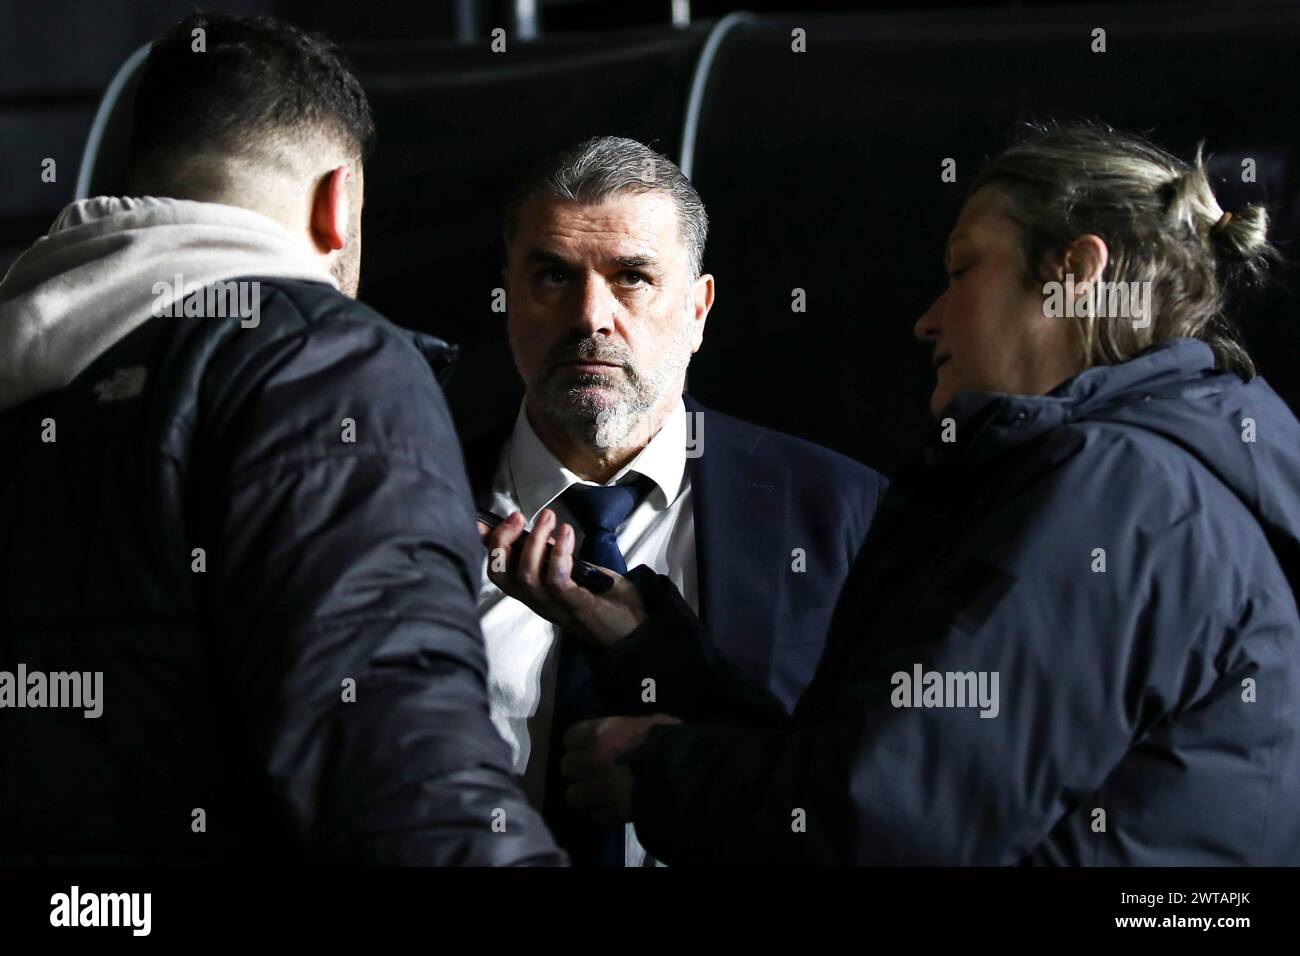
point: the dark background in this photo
(820, 170)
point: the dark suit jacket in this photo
(778, 523)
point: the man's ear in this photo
(330, 210)
(701, 301)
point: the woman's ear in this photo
(330, 210)
(1080, 268)
(1086, 258)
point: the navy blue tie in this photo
(598, 510)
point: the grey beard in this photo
(594, 424)
(604, 426)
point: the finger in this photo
(580, 735)
(507, 532)
(533, 552)
(559, 566)
(500, 541)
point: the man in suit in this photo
(606, 305)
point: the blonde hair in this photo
(1160, 221)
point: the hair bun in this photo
(1241, 240)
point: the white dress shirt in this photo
(521, 654)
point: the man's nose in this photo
(928, 325)
(596, 307)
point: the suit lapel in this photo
(741, 506)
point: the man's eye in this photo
(555, 276)
(957, 273)
(635, 278)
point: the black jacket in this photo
(1124, 555)
(263, 538)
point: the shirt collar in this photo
(539, 477)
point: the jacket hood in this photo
(1241, 432)
(110, 264)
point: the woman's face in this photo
(988, 328)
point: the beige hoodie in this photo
(110, 264)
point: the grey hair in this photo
(604, 167)
(1160, 220)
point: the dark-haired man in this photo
(235, 498)
(607, 304)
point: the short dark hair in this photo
(253, 82)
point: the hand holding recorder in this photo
(540, 571)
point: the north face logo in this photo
(125, 383)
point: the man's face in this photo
(989, 330)
(604, 313)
